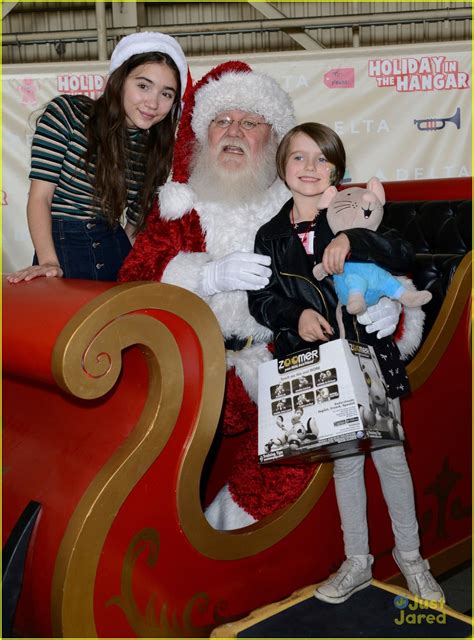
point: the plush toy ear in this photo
(376, 186)
(327, 197)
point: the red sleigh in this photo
(112, 394)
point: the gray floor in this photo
(457, 587)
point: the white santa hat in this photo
(147, 42)
(230, 85)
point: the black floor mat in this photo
(370, 613)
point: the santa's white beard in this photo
(215, 181)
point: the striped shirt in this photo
(57, 154)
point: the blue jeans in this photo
(89, 249)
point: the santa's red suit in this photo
(184, 233)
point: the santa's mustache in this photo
(231, 143)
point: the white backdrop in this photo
(403, 113)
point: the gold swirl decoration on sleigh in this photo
(167, 624)
(87, 362)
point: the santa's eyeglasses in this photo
(245, 123)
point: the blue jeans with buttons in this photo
(89, 249)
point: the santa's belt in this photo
(235, 343)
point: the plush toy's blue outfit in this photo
(370, 280)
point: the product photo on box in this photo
(325, 402)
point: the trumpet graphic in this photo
(435, 124)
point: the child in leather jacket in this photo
(301, 311)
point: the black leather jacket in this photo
(293, 288)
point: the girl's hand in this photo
(312, 326)
(335, 254)
(36, 271)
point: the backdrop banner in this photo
(403, 113)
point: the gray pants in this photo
(397, 488)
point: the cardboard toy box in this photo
(324, 403)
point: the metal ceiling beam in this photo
(124, 14)
(101, 25)
(7, 7)
(299, 35)
(360, 20)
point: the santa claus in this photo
(200, 236)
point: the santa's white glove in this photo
(237, 271)
(381, 317)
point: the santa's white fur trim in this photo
(176, 199)
(246, 91)
(412, 330)
(224, 514)
(246, 364)
(185, 270)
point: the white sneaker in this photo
(351, 576)
(419, 579)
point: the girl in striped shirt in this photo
(97, 163)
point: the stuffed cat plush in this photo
(362, 284)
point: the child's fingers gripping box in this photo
(327, 402)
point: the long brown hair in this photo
(106, 133)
